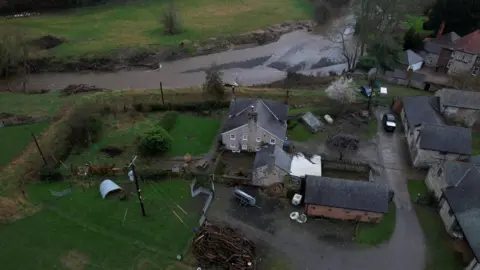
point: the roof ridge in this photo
(268, 108)
(463, 177)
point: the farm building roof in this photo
(271, 154)
(450, 139)
(459, 98)
(422, 110)
(435, 45)
(347, 194)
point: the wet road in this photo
(300, 51)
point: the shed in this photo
(312, 122)
(107, 187)
(412, 60)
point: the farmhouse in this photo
(270, 166)
(433, 48)
(345, 199)
(429, 139)
(254, 122)
(460, 212)
(459, 106)
(411, 60)
(462, 56)
(447, 174)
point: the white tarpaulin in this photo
(302, 166)
(108, 186)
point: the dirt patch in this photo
(75, 260)
(47, 42)
(15, 208)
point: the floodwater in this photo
(300, 51)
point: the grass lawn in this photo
(440, 255)
(83, 231)
(374, 234)
(299, 133)
(136, 24)
(16, 138)
(34, 105)
(193, 135)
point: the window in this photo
(257, 148)
(244, 137)
(244, 147)
(450, 212)
(232, 136)
(439, 172)
(272, 141)
(233, 146)
(259, 139)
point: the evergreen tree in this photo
(460, 16)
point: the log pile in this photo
(218, 247)
(80, 88)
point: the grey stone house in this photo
(447, 173)
(270, 166)
(463, 56)
(401, 77)
(460, 212)
(460, 106)
(254, 122)
(429, 139)
(433, 47)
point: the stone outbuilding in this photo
(345, 199)
(460, 106)
(270, 166)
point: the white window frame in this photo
(245, 137)
(258, 139)
(233, 146)
(449, 64)
(273, 141)
(257, 148)
(232, 136)
(244, 147)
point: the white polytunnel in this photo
(108, 186)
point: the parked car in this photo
(389, 122)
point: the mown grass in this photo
(33, 105)
(440, 254)
(83, 231)
(374, 234)
(102, 28)
(16, 138)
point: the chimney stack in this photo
(441, 29)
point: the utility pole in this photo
(137, 185)
(39, 150)
(161, 91)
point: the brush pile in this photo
(218, 247)
(80, 88)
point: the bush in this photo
(169, 120)
(84, 129)
(156, 141)
(367, 62)
(213, 85)
(171, 24)
(412, 40)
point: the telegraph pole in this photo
(161, 91)
(38, 147)
(137, 185)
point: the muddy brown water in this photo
(302, 51)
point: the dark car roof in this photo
(390, 117)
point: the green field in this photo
(16, 138)
(83, 231)
(440, 254)
(374, 234)
(137, 23)
(34, 105)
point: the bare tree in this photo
(350, 45)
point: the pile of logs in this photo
(80, 88)
(218, 247)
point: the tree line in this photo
(15, 6)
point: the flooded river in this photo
(300, 51)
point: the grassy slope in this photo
(16, 138)
(88, 225)
(440, 255)
(374, 234)
(110, 26)
(33, 105)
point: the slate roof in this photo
(402, 74)
(435, 45)
(409, 57)
(271, 115)
(450, 139)
(464, 201)
(347, 194)
(271, 153)
(422, 110)
(459, 98)
(455, 170)
(468, 43)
